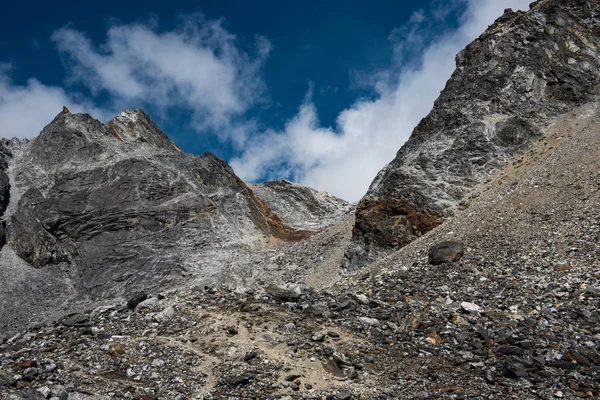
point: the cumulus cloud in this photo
(26, 109)
(197, 67)
(344, 159)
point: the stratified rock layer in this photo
(525, 70)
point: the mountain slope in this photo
(510, 83)
(515, 317)
(517, 185)
(302, 207)
(118, 208)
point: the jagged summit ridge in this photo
(135, 125)
(130, 126)
(509, 84)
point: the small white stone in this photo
(470, 307)
(291, 327)
(361, 298)
(158, 363)
(148, 304)
(369, 321)
(45, 391)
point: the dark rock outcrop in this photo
(388, 224)
(509, 84)
(4, 189)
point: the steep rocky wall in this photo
(525, 70)
(110, 209)
(4, 190)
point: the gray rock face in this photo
(302, 207)
(4, 189)
(113, 208)
(6, 379)
(110, 210)
(514, 80)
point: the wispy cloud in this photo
(344, 160)
(26, 109)
(197, 67)
(202, 69)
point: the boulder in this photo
(165, 315)
(136, 299)
(445, 252)
(6, 379)
(282, 294)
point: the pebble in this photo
(470, 307)
(369, 321)
(514, 369)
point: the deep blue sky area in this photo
(323, 42)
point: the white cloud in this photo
(345, 160)
(26, 109)
(197, 67)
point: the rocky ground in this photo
(515, 317)
(208, 288)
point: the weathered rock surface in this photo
(515, 317)
(501, 322)
(4, 189)
(281, 294)
(510, 83)
(302, 207)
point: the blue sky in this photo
(318, 92)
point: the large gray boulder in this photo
(445, 252)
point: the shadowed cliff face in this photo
(523, 72)
(4, 190)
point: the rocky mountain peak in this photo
(133, 270)
(78, 133)
(136, 126)
(99, 210)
